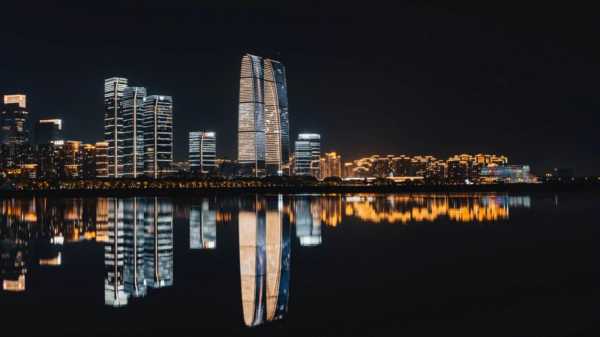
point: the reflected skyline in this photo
(137, 235)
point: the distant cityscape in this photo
(138, 143)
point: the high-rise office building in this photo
(48, 131)
(263, 121)
(158, 135)
(114, 88)
(277, 125)
(132, 138)
(101, 158)
(13, 120)
(251, 124)
(202, 152)
(307, 155)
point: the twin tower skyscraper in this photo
(138, 129)
(263, 120)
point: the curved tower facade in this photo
(263, 123)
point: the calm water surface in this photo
(305, 265)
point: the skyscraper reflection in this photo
(158, 219)
(133, 271)
(203, 226)
(307, 217)
(114, 252)
(265, 252)
(138, 249)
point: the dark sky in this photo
(431, 78)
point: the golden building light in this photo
(19, 99)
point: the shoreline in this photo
(316, 189)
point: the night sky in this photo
(414, 79)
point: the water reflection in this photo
(203, 226)
(265, 251)
(431, 207)
(138, 252)
(138, 235)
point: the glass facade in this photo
(277, 126)
(251, 129)
(307, 155)
(13, 120)
(158, 135)
(202, 152)
(263, 124)
(132, 138)
(114, 88)
(48, 131)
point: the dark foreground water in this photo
(300, 265)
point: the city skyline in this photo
(511, 78)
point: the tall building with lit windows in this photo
(263, 121)
(13, 120)
(114, 89)
(307, 155)
(277, 125)
(251, 124)
(49, 131)
(132, 138)
(158, 135)
(202, 152)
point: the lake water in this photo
(302, 265)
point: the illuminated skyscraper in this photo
(114, 88)
(307, 155)
(265, 252)
(49, 131)
(277, 125)
(263, 124)
(158, 252)
(158, 135)
(132, 112)
(251, 124)
(202, 152)
(13, 120)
